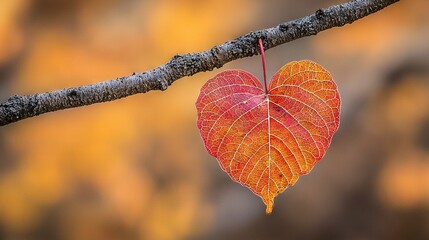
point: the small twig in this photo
(17, 108)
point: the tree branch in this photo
(17, 108)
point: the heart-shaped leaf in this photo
(266, 141)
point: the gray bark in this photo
(17, 108)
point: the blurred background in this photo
(137, 168)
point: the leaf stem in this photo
(263, 64)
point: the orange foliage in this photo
(11, 36)
(405, 183)
(127, 161)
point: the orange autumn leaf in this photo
(266, 141)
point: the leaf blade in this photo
(266, 141)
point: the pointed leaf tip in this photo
(269, 207)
